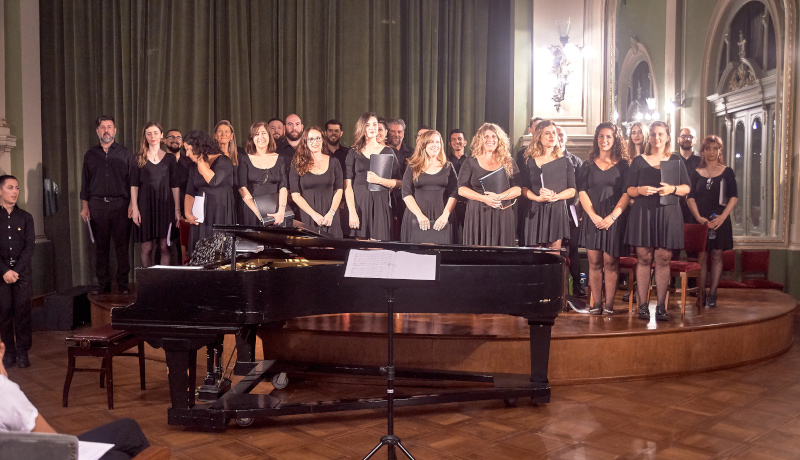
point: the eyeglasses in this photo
(174, 138)
(708, 184)
(686, 136)
(314, 140)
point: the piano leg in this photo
(210, 352)
(245, 350)
(540, 357)
(218, 348)
(182, 367)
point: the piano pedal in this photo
(280, 381)
(213, 392)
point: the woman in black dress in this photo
(547, 219)
(654, 229)
(370, 211)
(430, 187)
(261, 172)
(316, 182)
(154, 195)
(489, 220)
(601, 188)
(212, 177)
(704, 202)
(226, 138)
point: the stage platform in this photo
(748, 326)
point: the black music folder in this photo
(497, 182)
(670, 174)
(381, 164)
(723, 193)
(554, 175)
(268, 204)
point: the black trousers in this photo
(110, 221)
(574, 256)
(15, 313)
(125, 434)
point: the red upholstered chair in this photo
(694, 239)
(728, 271)
(755, 267)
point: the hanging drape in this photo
(190, 63)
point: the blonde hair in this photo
(233, 152)
(535, 148)
(668, 147)
(419, 160)
(502, 154)
(141, 158)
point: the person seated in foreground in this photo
(18, 415)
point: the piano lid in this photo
(304, 242)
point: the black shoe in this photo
(626, 297)
(22, 360)
(9, 359)
(644, 311)
(711, 301)
(661, 313)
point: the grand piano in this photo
(293, 272)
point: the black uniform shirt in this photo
(107, 175)
(457, 162)
(17, 237)
(182, 170)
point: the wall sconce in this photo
(562, 55)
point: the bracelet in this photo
(674, 189)
(281, 206)
(613, 217)
(332, 212)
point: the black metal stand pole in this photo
(390, 440)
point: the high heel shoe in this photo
(711, 301)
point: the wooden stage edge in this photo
(748, 326)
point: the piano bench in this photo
(102, 342)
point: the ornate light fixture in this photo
(561, 55)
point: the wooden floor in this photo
(748, 412)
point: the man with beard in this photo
(457, 157)
(333, 134)
(397, 131)
(277, 130)
(691, 159)
(574, 229)
(105, 202)
(294, 129)
(174, 144)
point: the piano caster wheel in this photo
(280, 381)
(510, 402)
(245, 421)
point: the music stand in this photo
(390, 440)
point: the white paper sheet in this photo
(384, 264)
(92, 450)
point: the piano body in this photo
(301, 273)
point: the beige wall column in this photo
(522, 84)
(7, 141)
(672, 68)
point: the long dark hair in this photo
(360, 133)
(303, 160)
(250, 148)
(202, 144)
(619, 151)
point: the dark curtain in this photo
(190, 63)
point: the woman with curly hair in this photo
(430, 187)
(601, 188)
(261, 172)
(547, 219)
(211, 177)
(654, 229)
(316, 183)
(155, 198)
(488, 222)
(370, 211)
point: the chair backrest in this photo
(755, 263)
(38, 446)
(694, 237)
(728, 260)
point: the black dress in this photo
(706, 196)
(259, 182)
(156, 203)
(219, 201)
(546, 222)
(431, 192)
(650, 224)
(484, 225)
(318, 191)
(604, 188)
(373, 208)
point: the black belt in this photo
(108, 199)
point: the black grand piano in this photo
(294, 272)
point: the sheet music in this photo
(199, 208)
(574, 213)
(169, 234)
(88, 450)
(89, 226)
(384, 264)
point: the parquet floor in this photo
(750, 412)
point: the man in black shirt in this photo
(277, 130)
(691, 159)
(105, 202)
(294, 129)
(457, 157)
(394, 140)
(16, 251)
(333, 134)
(174, 144)
(574, 229)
